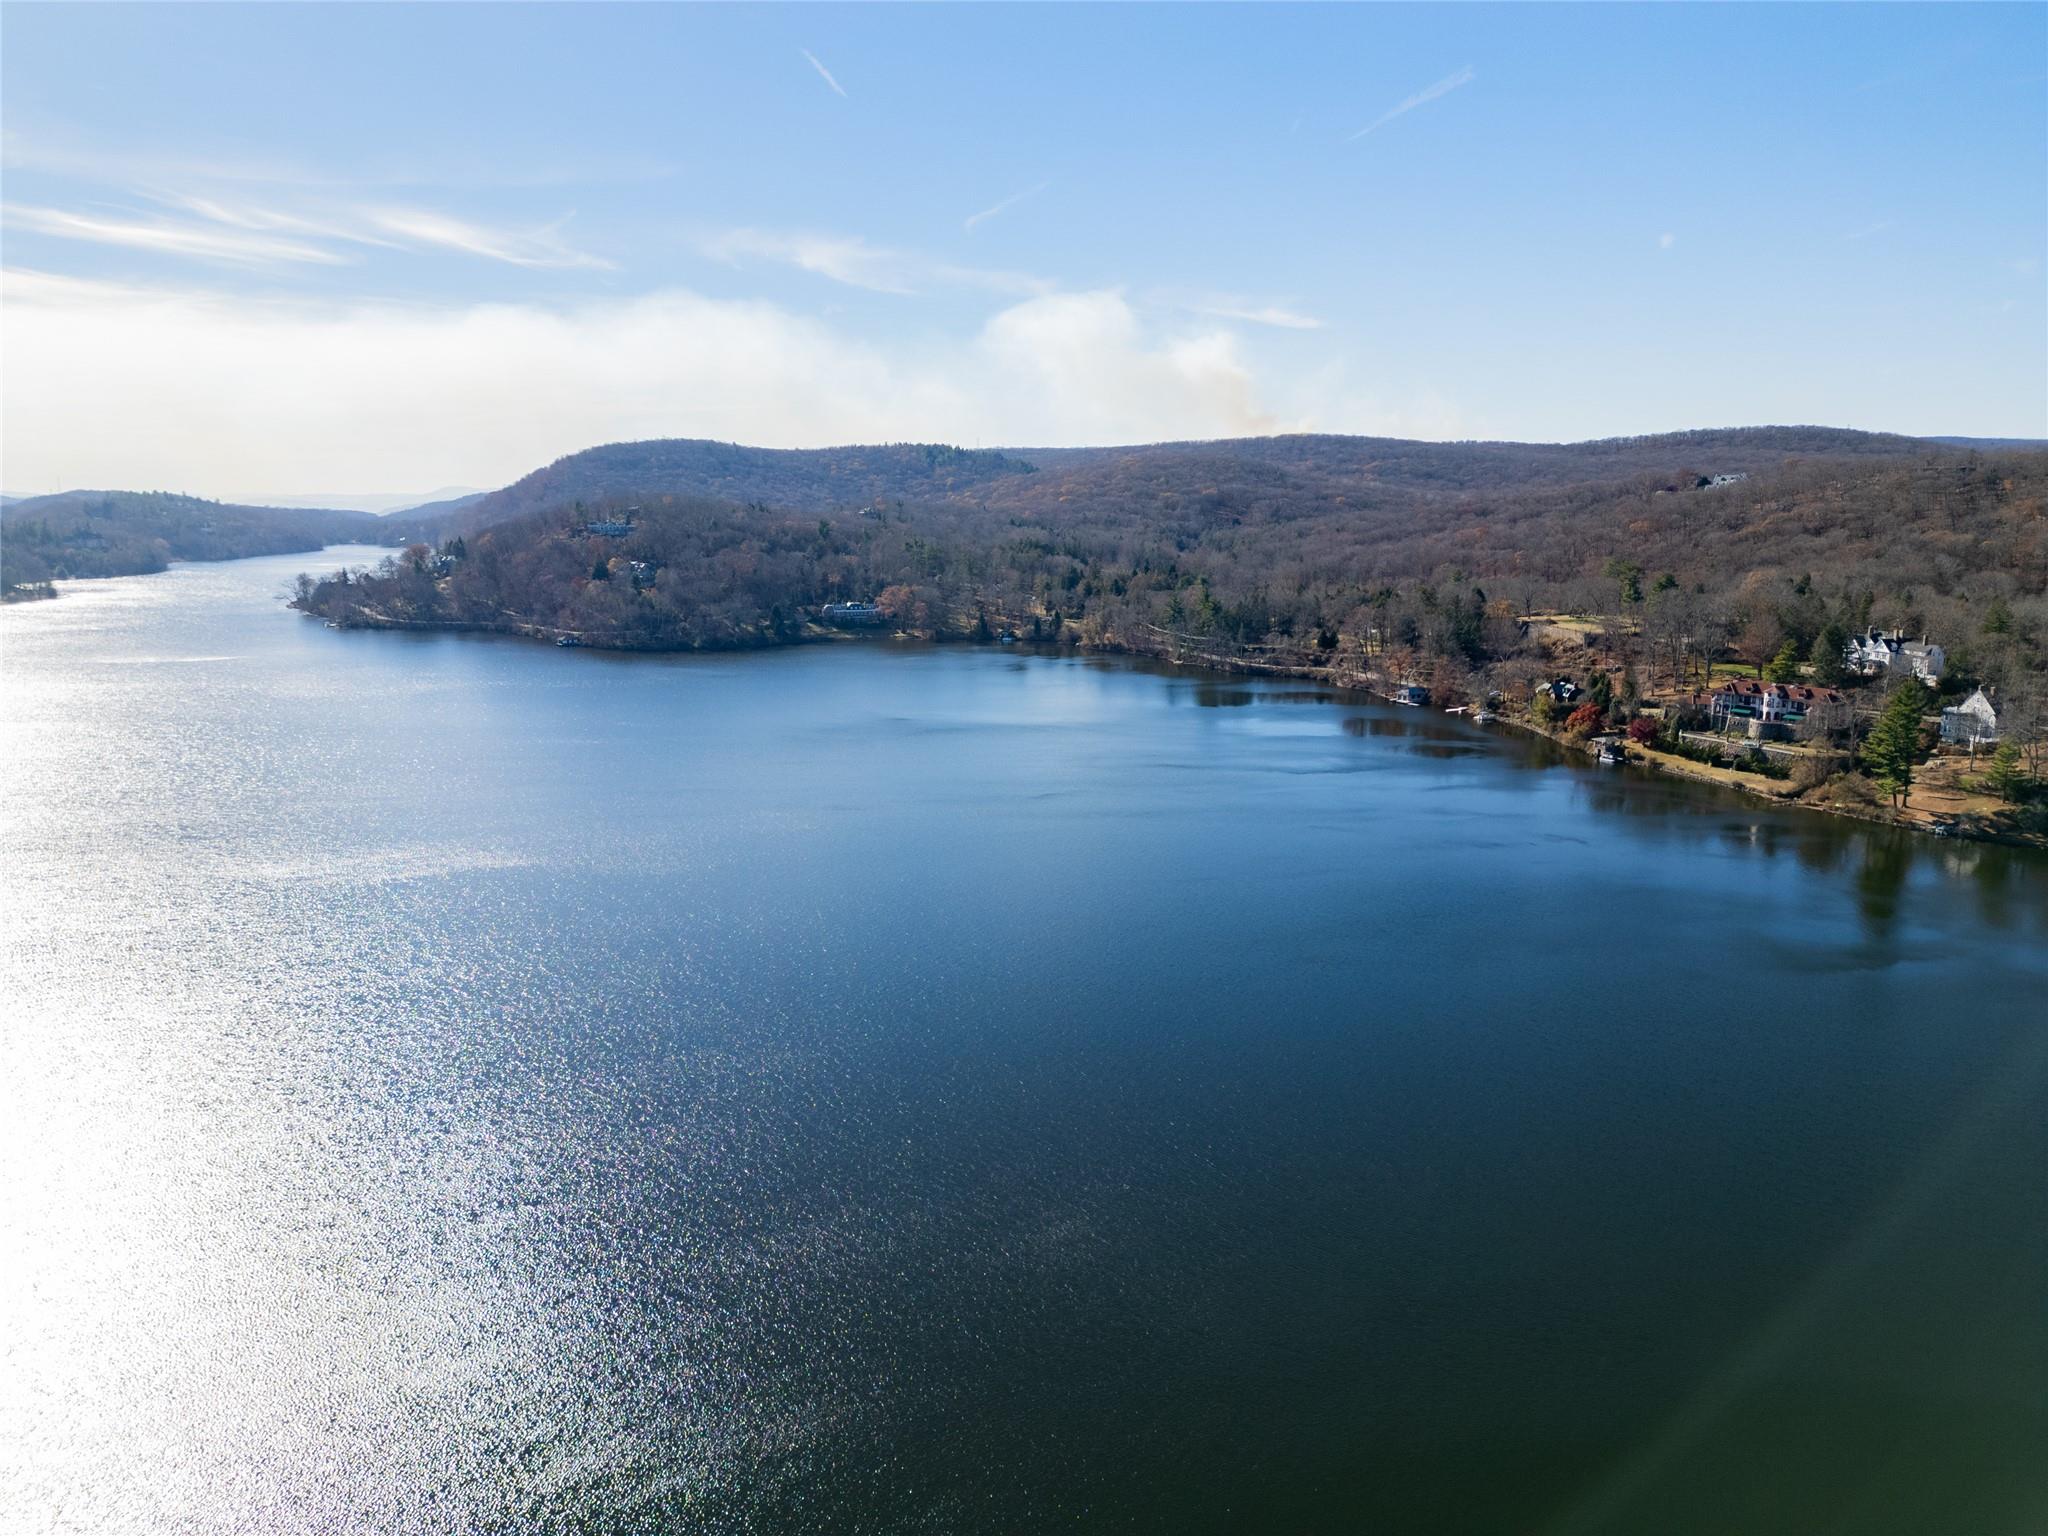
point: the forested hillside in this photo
(125, 533)
(1299, 474)
(1297, 549)
(802, 479)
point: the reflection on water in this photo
(458, 1085)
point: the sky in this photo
(342, 251)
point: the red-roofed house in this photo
(1769, 709)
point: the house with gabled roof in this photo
(1972, 723)
(1877, 654)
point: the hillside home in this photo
(1878, 654)
(854, 614)
(1775, 709)
(1972, 723)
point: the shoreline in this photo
(1334, 674)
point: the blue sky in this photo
(308, 249)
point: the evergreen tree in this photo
(1826, 657)
(2004, 778)
(1893, 747)
(1784, 666)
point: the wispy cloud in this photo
(1269, 314)
(844, 259)
(823, 73)
(410, 167)
(1224, 306)
(271, 220)
(1421, 98)
(247, 234)
(851, 260)
(1666, 241)
(1007, 203)
(1871, 229)
(239, 247)
(541, 247)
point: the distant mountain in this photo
(1305, 471)
(380, 502)
(802, 479)
(442, 508)
(125, 533)
(1991, 442)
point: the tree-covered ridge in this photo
(799, 478)
(1249, 553)
(124, 533)
(1296, 474)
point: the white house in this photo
(1972, 723)
(1875, 654)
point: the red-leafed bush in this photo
(1642, 730)
(1584, 720)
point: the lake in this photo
(456, 1084)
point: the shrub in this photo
(1584, 720)
(1760, 762)
(1642, 730)
(1811, 772)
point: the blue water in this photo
(457, 1085)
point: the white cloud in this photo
(823, 72)
(1666, 241)
(1423, 97)
(120, 385)
(851, 260)
(995, 208)
(1081, 364)
(238, 247)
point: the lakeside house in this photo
(1769, 709)
(854, 615)
(1563, 691)
(1878, 654)
(1972, 723)
(1412, 694)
